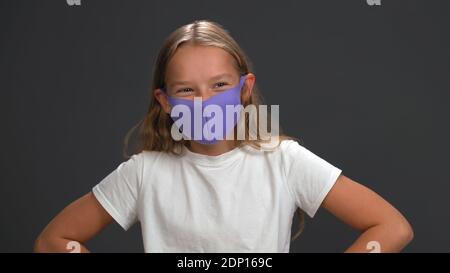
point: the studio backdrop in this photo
(364, 84)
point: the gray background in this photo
(365, 88)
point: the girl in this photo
(220, 196)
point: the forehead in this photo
(199, 62)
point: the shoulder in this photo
(284, 147)
(156, 160)
(291, 152)
(144, 159)
(288, 144)
(282, 152)
(288, 147)
(154, 157)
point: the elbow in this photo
(44, 243)
(404, 233)
(39, 244)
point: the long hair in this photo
(154, 129)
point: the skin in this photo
(352, 203)
(193, 72)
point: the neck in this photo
(218, 148)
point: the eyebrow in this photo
(224, 75)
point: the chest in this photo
(231, 206)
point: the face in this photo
(200, 71)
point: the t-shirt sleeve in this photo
(118, 192)
(309, 177)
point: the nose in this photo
(204, 93)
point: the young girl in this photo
(225, 195)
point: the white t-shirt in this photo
(240, 201)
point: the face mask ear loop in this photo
(243, 84)
(167, 97)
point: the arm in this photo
(78, 222)
(364, 210)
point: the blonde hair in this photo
(154, 129)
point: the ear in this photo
(249, 83)
(161, 97)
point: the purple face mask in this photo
(208, 121)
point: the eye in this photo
(220, 84)
(184, 90)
